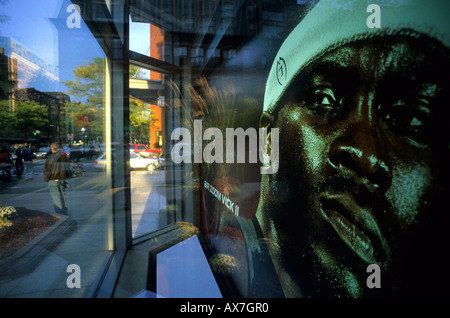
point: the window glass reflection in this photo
(147, 162)
(52, 91)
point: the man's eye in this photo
(409, 119)
(321, 101)
(327, 101)
(415, 122)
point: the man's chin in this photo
(322, 273)
(333, 276)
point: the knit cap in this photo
(333, 23)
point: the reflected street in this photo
(147, 195)
(148, 201)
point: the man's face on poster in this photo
(363, 142)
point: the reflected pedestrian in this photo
(28, 163)
(19, 162)
(6, 161)
(56, 170)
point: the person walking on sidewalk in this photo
(56, 170)
(19, 162)
(28, 163)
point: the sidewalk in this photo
(79, 239)
(148, 204)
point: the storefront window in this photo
(53, 93)
(148, 179)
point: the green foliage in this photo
(5, 214)
(27, 117)
(89, 83)
(141, 119)
(88, 88)
(30, 116)
(6, 116)
(136, 72)
(88, 111)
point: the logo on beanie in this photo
(281, 71)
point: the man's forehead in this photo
(376, 59)
(333, 22)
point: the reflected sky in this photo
(41, 28)
(29, 23)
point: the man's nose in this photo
(359, 148)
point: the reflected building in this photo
(8, 77)
(28, 77)
(32, 70)
(54, 101)
(209, 37)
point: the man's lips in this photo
(354, 224)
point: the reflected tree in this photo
(28, 118)
(84, 115)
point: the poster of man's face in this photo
(362, 176)
(358, 95)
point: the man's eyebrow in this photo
(329, 70)
(338, 74)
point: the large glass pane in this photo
(53, 91)
(140, 37)
(147, 130)
(146, 38)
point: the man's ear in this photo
(267, 121)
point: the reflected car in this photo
(66, 150)
(42, 152)
(162, 162)
(136, 162)
(100, 162)
(143, 150)
(154, 155)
